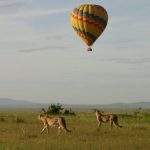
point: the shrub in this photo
(125, 115)
(69, 112)
(19, 120)
(2, 118)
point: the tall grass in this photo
(85, 134)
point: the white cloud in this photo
(34, 13)
(9, 3)
(17, 35)
(16, 31)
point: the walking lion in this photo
(53, 121)
(111, 118)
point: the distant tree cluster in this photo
(56, 109)
(2, 118)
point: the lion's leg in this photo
(44, 129)
(59, 130)
(65, 130)
(99, 124)
(111, 123)
(116, 124)
(47, 129)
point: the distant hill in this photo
(11, 103)
(114, 105)
(127, 105)
(7, 102)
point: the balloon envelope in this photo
(89, 21)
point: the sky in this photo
(43, 60)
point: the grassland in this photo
(20, 130)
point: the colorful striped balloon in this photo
(89, 21)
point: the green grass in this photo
(85, 135)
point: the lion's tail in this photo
(68, 130)
(120, 126)
(116, 121)
(65, 126)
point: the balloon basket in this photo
(89, 49)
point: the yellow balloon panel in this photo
(89, 21)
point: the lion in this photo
(111, 118)
(53, 121)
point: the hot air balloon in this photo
(89, 22)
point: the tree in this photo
(53, 109)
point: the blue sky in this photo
(43, 60)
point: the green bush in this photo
(69, 112)
(2, 118)
(53, 109)
(19, 120)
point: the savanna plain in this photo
(20, 130)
